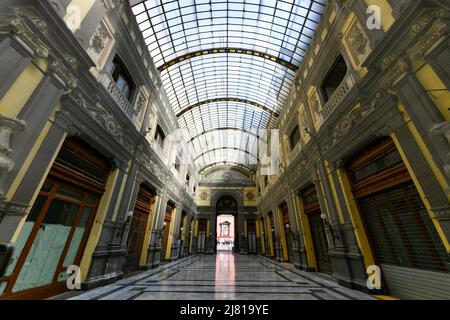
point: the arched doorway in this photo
(227, 230)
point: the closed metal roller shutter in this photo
(401, 230)
(404, 240)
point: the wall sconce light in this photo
(287, 225)
(165, 223)
(324, 217)
(127, 219)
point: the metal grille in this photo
(401, 231)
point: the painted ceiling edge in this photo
(226, 148)
(226, 129)
(249, 52)
(244, 101)
(224, 164)
(244, 170)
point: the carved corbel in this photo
(443, 129)
(8, 126)
(24, 36)
(63, 75)
(398, 72)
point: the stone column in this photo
(443, 129)
(17, 50)
(194, 237)
(36, 113)
(15, 209)
(154, 247)
(298, 253)
(277, 240)
(435, 196)
(211, 237)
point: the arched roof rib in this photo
(227, 66)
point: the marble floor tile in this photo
(224, 276)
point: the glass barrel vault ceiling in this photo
(227, 66)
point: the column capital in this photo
(23, 34)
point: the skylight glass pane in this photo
(282, 28)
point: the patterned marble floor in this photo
(223, 277)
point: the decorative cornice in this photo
(24, 35)
(31, 14)
(103, 118)
(424, 21)
(438, 31)
(442, 129)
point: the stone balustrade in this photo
(122, 101)
(341, 92)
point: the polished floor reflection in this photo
(224, 276)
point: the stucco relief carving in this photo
(438, 31)
(347, 122)
(204, 196)
(99, 39)
(426, 19)
(443, 129)
(316, 108)
(395, 74)
(358, 40)
(357, 43)
(63, 74)
(100, 44)
(141, 102)
(104, 118)
(250, 196)
(8, 126)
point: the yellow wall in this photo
(263, 241)
(21, 90)
(439, 93)
(335, 197)
(355, 217)
(283, 236)
(422, 194)
(424, 150)
(120, 195)
(27, 163)
(171, 233)
(98, 224)
(148, 233)
(269, 230)
(307, 238)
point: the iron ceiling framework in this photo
(227, 66)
